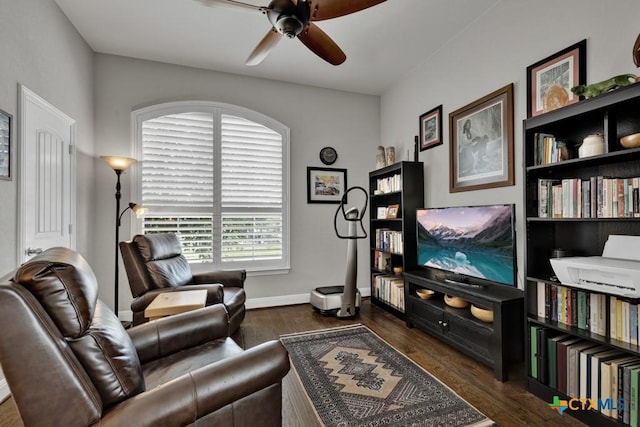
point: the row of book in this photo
(382, 261)
(547, 149)
(388, 240)
(596, 197)
(572, 307)
(389, 289)
(389, 184)
(606, 315)
(609, 379)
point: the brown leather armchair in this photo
(68, 361)
(154, 264)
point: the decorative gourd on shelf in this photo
(456, 302)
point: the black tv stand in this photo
(470, 285)
(498, 344)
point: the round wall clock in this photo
(328, 155)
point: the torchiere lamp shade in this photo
(118, 163)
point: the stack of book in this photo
(389, 289)
(606, 315)
(604, 379)
(596, 197)
(389, 240)
(382, 261)
(389, 184)
(548, 150)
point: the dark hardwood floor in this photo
(508, 404)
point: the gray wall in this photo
(42, 50)
(494, 51)
(317, 118)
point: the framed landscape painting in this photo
(481, 148)
(325, 185)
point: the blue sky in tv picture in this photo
(472, 241)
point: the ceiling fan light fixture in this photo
(290, 26)
(294, 18)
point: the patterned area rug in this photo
(354, 378)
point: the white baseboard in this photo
(289, 299)
(276, 301)
(263, 302)
(4, 390)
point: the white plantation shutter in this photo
(177, 162)
(252, 199)
(218, 177)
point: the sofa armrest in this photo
(231, 278)
(171, 334)
(202, 392)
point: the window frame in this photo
(218, 109)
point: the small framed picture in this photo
(481, 147)
(392, 211)
(431, 128)
(381, 212)
(550, 80)
(5, 145)
(326, 185)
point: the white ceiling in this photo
(382, 43)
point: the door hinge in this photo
(70, 149)
(70, 228)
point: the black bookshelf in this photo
(614, 115)
(408, 195)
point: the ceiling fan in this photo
(295, 18)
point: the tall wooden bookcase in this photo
(553, 308)
(395, 193)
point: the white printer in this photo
(616, 272)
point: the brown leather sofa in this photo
(69, 362)
(154, 264)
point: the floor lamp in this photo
(119, 165)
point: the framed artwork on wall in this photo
(326, 185)
(431, 128)
(5, 145)
(550, 80)
(481, 147)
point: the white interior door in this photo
(47, 181)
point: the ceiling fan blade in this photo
(322, 45)
(264, 47)
(232, 3)
(327, 9)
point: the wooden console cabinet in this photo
(497, 344)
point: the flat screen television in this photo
(472, 245)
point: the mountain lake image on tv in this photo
(471, 242)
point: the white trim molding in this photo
(289, 299)
(4, 390)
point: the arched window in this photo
(218, 175)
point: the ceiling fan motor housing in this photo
(289, 19)
(290, 26)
